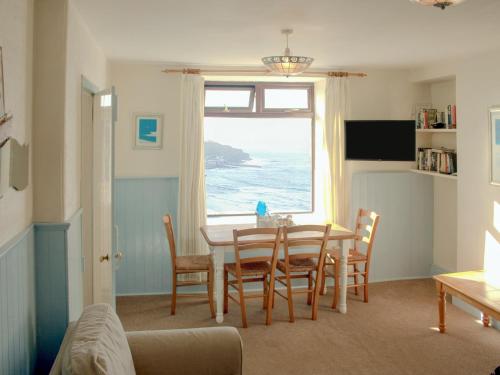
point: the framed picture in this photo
(148, 131)
(2, 97)
(495, 145)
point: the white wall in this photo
(383, 95)
(478, 88)
(48, 109)
(64, 52)
(443, 93)
(16, 39)
(83, 57)
(144, 88)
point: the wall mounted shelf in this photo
(435, 174)
(5, 118)
(436, 130)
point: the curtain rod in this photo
(261, 72)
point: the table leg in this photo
(442, 307)
(486, 320)
(343, 276)
(218, 259)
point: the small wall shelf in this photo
(5, 118)
(436, 130)
(435, 174)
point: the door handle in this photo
(119, 255)
(103, 258)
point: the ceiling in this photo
(337, 33)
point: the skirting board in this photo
(329, 284)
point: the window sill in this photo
(305, 218)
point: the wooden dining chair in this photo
(188, 264)
(304, 256)
(245, 269)
(360, 255)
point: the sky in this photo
(283, 135)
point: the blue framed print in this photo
(148, 131)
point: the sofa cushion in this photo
(98, 345)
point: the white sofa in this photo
(97, 344)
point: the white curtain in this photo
(192, 211)
(337, 106)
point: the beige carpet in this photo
(395, 333)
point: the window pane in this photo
(227, 98)
(252, 159)
(286, 98)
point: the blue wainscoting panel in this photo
(59, 285)
(17, 305)
(139, 207)
(403, 245)
(51, 291)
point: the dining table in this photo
(219, 238)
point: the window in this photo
(283, 98)
(264, 151)
(229, 98)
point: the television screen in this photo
(380, 140)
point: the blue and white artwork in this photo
(148, 131)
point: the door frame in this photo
(87, 182)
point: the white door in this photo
(103, 120)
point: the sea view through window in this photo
(252, 159)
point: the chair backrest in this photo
(167, 220)
(366, 227)
(266, 240)
(309, 236)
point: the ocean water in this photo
(282, 180)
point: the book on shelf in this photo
(431, 118)
(439, 160)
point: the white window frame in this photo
(229, 87)
(261, 112)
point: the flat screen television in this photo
(390, 140)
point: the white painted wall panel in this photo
(403, 244)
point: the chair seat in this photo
(354, 256)
(249, 269)
(298, 265)
(192, 262)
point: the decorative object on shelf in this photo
(14, 165)
(287, 64)
(495, 145)
(148, 131)
(274, 221)
(266, 220)
(442, 4)
(440, 121)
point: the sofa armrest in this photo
(197, 351)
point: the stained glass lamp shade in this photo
(287, 64)
(439, 3)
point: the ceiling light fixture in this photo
(287, 64)
(442, 4)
